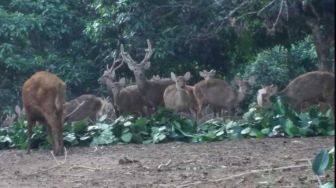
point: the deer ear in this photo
(122, 81)
(146, 65)
(187, 76)
(173, 77)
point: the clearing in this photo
(270, 162)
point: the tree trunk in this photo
(322, 46)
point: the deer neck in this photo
(108, 84)
(113, 92)
(141, 83)
(240, 95)
(181, 95)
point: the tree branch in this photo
(278, 17)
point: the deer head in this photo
(116, 88)
(138, 68)
(208, 75)
(181, 81)
(109, 73)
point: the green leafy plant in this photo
(323, 162)
(165, 126)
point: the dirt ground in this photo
(271, 162)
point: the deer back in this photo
(84, 106)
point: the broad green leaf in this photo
(246, 130)
(128, 123)
(220, 133)
(331, 161)
(290, 128)
(266, 131)
(140, 122)
(69, 137)
(328, 185)
(102, 118)
(105, 137)
(321, 162)
(126, 137)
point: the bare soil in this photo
(271, 162)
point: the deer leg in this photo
(56, 128)
(199, 110)
(31, 123)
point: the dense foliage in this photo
(75, 39)
(166, 126)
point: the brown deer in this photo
(179, 96)
(151, 90)
(11, 118)
(307, 89)
(82, 107)
(43, 98)
(208, 75)
(219, 95)
(125, 99)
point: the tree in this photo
(296, 17)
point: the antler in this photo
(149, 52)
(114, 67)
(125, 56)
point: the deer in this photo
(84, 106)
(43, 96)
(219, 94)
(179, 96)
(151, 90)
(126, 99)
(306, 89)
(208, 75)
(155, 78)
(11, 118)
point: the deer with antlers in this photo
(125, 99)
(151, 90)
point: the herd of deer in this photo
(44, 95)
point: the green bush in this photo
(279, 65)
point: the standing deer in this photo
(43, 98)
(179, 96)
(151, 90)
(219, 95)
(306, 89)
(208, 75)
(125, 99)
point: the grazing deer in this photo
(151, 90)
(125, 99)
(219, 95)
(43, 98)
(179, 96)
(10, 119)
(107, 108)
(307, 89)
(82, 107)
